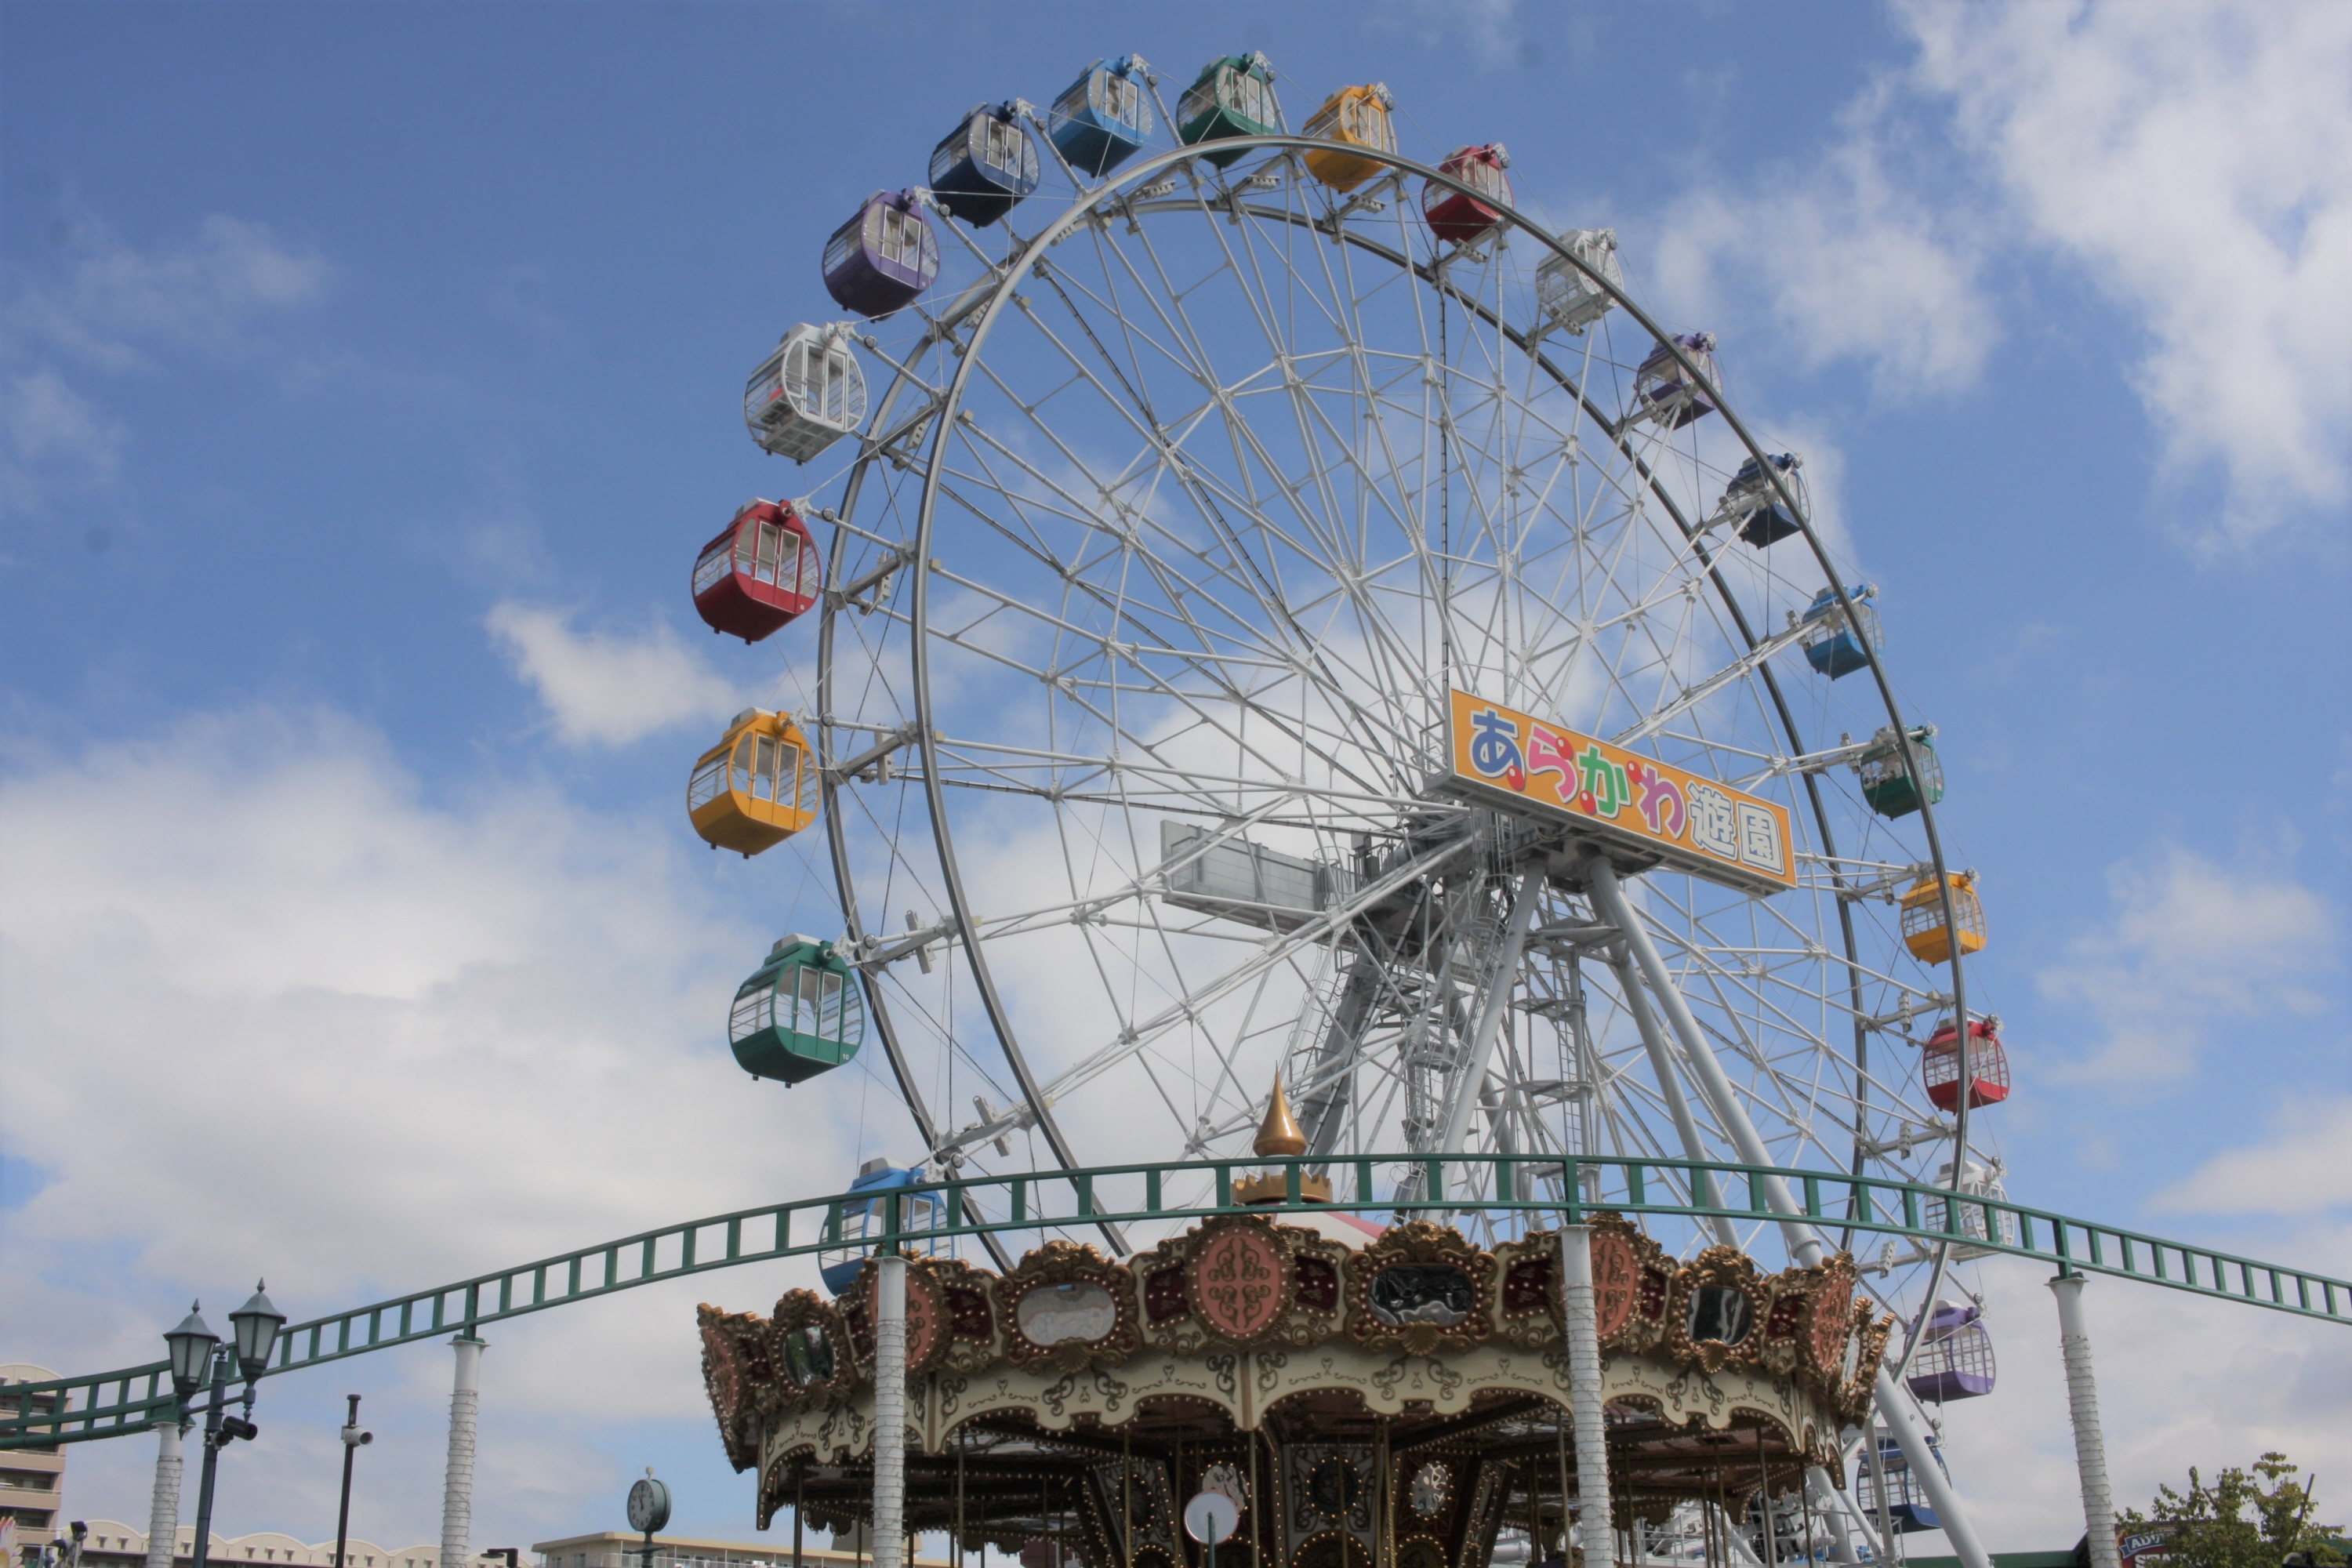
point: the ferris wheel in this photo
(1286, 615)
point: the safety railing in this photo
(133, 1399)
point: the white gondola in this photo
(1975, 1182)
(807, 394)
(1570, 300)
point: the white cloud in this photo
(56, 438)
(1841, 257)
(1490, 29)
(605, 689)
(108, 312)
(2298, 1168)
(118, 301)
(266, 1009)
(2196, 160)
(2190, 942)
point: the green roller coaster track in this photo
(134, 1399)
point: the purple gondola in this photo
(1955, 1356)
(1663, 390)
(882, 258)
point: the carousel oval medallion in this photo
(1616, 1281)
(1334, 1488)
(1228, 1481)
(1072, 1309)
(1721, 1314)
(1432, 1484)
(1237, 1283)
(1832, 1311)
(808, 1354)
(1434, 1293)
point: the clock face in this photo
(648, 1506)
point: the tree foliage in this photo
(2244, 1518)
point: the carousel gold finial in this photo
(1279, 1133)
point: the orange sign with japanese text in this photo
(1682, 819)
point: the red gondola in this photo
(1463, 220)
(758, 573)
(1940, 1066)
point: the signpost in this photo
(1644, 812)
(1210, 1518)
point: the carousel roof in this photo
(1303, 1325)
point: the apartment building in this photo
(32, 1480)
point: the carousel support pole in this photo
(164, 1510)
(1594, 1528)
(458, 1483)
(890, 1397)
(2083, 1401)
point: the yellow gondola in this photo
(1354, 117)
(754, 789)
(1924, 930)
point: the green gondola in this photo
(800, 1013)
(1888, 785)
(1234, 95)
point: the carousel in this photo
(1366, 1395)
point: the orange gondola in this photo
(756, 788)
(1924, 930)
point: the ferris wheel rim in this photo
(948, 407)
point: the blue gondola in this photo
(862, 1224)
(1894, 1491)
(1834, 648)
(981, 169)
(1755, 508)
(1105, 118)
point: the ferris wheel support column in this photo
(891, 1406)
(1594, 1526)
(2083, 1401)
(1601, 878)
(1670, 1084)
(1803, 1241)
(1473, 1071)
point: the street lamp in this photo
(256, 1324)
(198, 1357)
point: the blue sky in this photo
(372, 376)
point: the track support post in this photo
(1594, 1530)
(2082, 1403)
(890, 1406)
(457, 1481)
(163, 1509)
